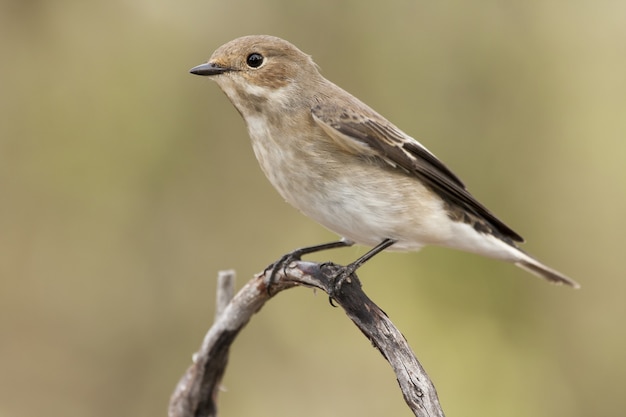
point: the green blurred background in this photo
(127, 183)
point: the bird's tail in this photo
(535, 267)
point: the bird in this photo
(344, 165)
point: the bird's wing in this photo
(375, 137)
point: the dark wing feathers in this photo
(397, 149)
(406, 149)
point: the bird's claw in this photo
(282, 263)
(339, 275)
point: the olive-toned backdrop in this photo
(127, 183)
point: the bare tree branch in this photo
(225, 290)
(196, 393)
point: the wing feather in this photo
(374, 136)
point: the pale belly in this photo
(360, 201)
(365, 201)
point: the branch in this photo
(196, 393)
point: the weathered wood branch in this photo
(197, 391)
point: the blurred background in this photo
(126, 183)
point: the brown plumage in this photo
(346, 166)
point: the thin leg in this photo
(346, 271)
(369, 255)
(298, 253)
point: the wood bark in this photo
(197, 391)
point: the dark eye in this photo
(254, 60)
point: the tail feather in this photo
(537, 268)
(466, 237)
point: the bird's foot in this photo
(339, 275)
(281, 264)
(296, 255)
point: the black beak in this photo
(208, 69)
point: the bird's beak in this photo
(208, 68)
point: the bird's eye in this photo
(254, 60)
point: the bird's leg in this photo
(295, 255)
(342, 273)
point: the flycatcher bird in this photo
(344, 165)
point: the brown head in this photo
(257, 68)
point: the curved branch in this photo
(197, 391)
